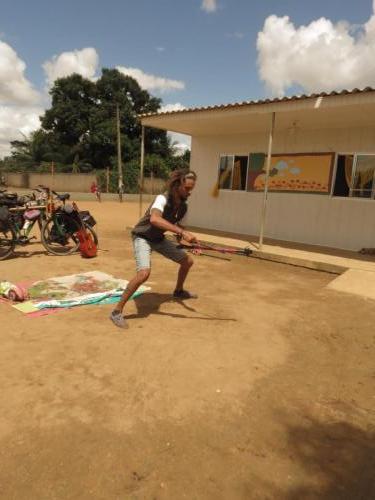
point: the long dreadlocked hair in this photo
(177, 177)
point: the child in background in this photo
(95, 190)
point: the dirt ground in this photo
(263, 388)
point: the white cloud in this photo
(84, 62)
(19, 101)
(15, 122)
(172, 107)
(152, 82)
(319, 56)
(14, 87)
(160, 49)
(209, 5)
(181, 142)
(19, 110)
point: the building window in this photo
(239, 175)
(355, 176)
(233, 172)
(256, 168)
(302, 173)
(225, 171)
(344, 170)
(363, 177)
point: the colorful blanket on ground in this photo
(93, 287)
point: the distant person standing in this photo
(95, 190)
(120, 191)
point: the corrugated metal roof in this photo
(264, 101)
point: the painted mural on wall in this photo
(301, 172)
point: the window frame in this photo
(351, 189)
(334, 173)
(333, 177)
(257, 152)
(247, 172)
(231, 174)
(233, 156)
(355, 158)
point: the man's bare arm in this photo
(157, 220)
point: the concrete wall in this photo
(346, 223)
(153, 186)
(16, 180)
(59, 182)
(79, 183)
(63, 182)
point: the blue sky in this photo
(188, 52)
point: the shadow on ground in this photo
(338, 457)
(150, 303)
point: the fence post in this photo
(141, 172)
(107, 180)
(52, 174)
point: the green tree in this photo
(114, 88)
(73, 99)
(79, 129)
(39, 147)
(82, 116)
(179, 161)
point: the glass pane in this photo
(364, 176)
(344, 172)
(225, 172)
(256, 168)
(239, 173)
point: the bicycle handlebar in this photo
(40, 188)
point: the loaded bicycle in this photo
(61, 224)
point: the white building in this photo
(322, 168)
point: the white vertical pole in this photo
(119, 159)
(141, 170)
(268, 167)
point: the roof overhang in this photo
(356, 109)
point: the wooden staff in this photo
(234, 251)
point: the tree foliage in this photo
(79, 129)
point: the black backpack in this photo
(4, 218)
(8, 199)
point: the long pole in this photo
(52, 175)
(141, 170)
(268, 167)
(107, 180)
(119, 162)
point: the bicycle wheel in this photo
(59, 234)
(93, 233)
(7, 242)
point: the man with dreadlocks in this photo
(164, 214)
